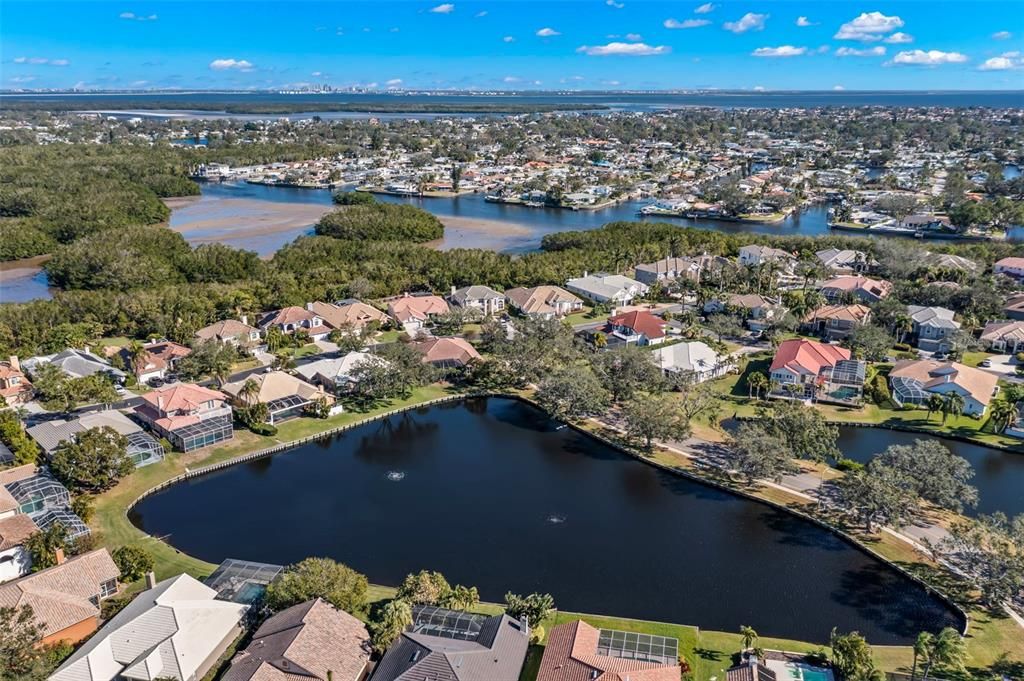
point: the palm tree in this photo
(953, 404)
(756, 382)
(137, 352)
(249, 390)
(1002, 414)
(947, 650)
(921, 647)
(934, 404)
(901, 326)
(749, 636)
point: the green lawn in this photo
(973, 359)
(584, 316)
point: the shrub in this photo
(354, 198)
(1019, 357)
(132, 561)
(878, 390)
(381, 222)
(263, 429)
(849, 465)
(903, 347)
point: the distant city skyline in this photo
(579, 44)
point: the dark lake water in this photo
(998, 474)
(493, 494)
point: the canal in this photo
(494, 494)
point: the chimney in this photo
(245, 319)
(453, 289)
(13, 361)
(309, 306)
(150, 580)
(58, 556)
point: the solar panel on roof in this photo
(628, 645)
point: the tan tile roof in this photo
(540, 299)
(848, 313)
(60, 595)
(1003, 330)
(181, 397)
(356, 315)
(977, 383)
(229, 328)
(15, 530)
(409, 308)
(571, 655)
(275, 385)
(447, 350)
(879, 288)
(287, 315)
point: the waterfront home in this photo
(231, 332)
(156, 359)
(413, 312)
(671, 269)
(843, 260)
(637, 326)
(67, 597)
(914, 380)
(446, 352)
(612, 289)
(1005, 336)
(924, 222)
(692, 361)
(1011, 267)
(751, 669)
(856, 287)
(1013, 308)
(286, 396)
(15, 560)
(174, 630)
(546, 302)
(482, 299)
(335, 374)
(460, 645)
(806, 369)
(76, 364)
(142, 448)
(756, 255)
(325, 643)
(577, 651)
(758, 311)
(348, 315)
(189, 416)
(835, 322)
(291, 319)
(33, 491)
(15, 388)
(932, 327)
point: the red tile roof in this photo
(181, 397)
(806, 356)
(571, 655)
(641, 322)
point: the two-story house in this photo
(932, 327)
(546, 302)
(231, 332)
(857, 287)
(189, 416)
(835, 322)
(637, 327)
(414, 312)
(291, 319)
(482, 299)
(15, 389)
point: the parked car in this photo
(985, 363)
(119, 389)
(156, 382)
(171, 378)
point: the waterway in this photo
(492, 493)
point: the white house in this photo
(754, 255)
(615, 289)
(693, 360)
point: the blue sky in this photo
(506, 44)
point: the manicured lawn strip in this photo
(584, 316)
(973, 359)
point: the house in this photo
(932, 326)
(189, 416)
(613, 289)
(950, 263)
(456, 645)
(291, 319)
(15, 560)
(671, 269)
(756, 255)
(335, 375)
(843, 260)
(751, 669)
(758, 311)
(1013, 308)
(66, 598)
(230, 332)
(638, 326)
(806, 369)
(313, 640)
(156, 360)
(33, 491)
(483, 299)
(286, 396)
(174, 630)
(544, 301)
(694, 361)
(414, 311)
(1011, 267)
(15, 389)
(914, 380)
(348, 315)
(1004, 336)
(835, 322)
(856, 287)
(921, 221)
(446, 353)
(577, 651)
(142, 448)
(76, 364)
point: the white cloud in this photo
(1007, 61)
(616, 5)
(748, 22)
(804, 22)
(705, 8)
(509, 39)
(780, 51)
(126, 15)
(1002, 35)
(759, 88)
(547, 32)
(838, 88)
(139, 83)
(445, 8)
(511, 79)
(41, 61)
(686, 23)
(231, 64)
(394, 82)
(877, 51)
(928, 58)
(623, 50)
(22, 79)
(635, 37)
(480, 14)
(317, 74)
(868, 27)
(899, 38)
(132, 16)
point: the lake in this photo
(492, 493)
(998, 474)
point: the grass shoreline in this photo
(114, 529)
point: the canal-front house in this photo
(336, 375)
(325, 643)
(446, 352)
(176, 629)
(286, 396)
(66, 598)
(835, 322)
(462, 645)
(691, 362)
(578, 651)
(143, 449)
(914, 381)
(189, 416)
(545, 302)
(932, 327)
(808, 370)
(1010, 267)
